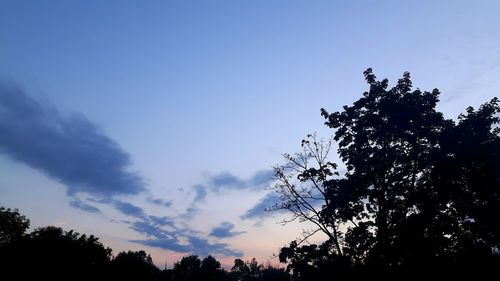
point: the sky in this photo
(155, 124)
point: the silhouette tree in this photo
(53, 254)
(270, 273)
(315, 262)
(246, 271)
(254, 269)
(188, 269)
(210, 269)
(12, 225)
(419, 190)
(386, 140)
(240, 270)
(134, 266)
(302, 190)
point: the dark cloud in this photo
(225, 179)
(70, 149)
(129, 209)
(162, 221)
(260, 178)
(170, 241)
(166, 244)
(157, 236)
(152, 230)
(146, 228)
(259, 210)
(100, 200)
(200, 192)
(77, 203)
(163, 232)
(224, 230)
(159, 201)
(190, 212)
(202, 247)
(195, 245)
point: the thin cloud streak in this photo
(258, 211)
(225, 230)
(79, 204)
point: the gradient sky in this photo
(155, 124)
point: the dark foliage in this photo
(420, 194)
(134, 266)
(12, 226)
(49, 253)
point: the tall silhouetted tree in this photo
(302, 190)
(419, 191)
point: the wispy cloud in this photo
(225, 230)
(163, 221)
(203, 247)
(190, 212)
(79, 204)
(261, 178)
(200, 192)
(226, 181)
(129, 209)
(194, 245)
(258, 211)
(69, 149)
(222, 182)
(163, 232)
(159, 201)
(176, 239)
(166, 243)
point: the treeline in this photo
(50, 253)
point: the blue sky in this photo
(154, 124)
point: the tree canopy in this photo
(418, 190)
(13, 225)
